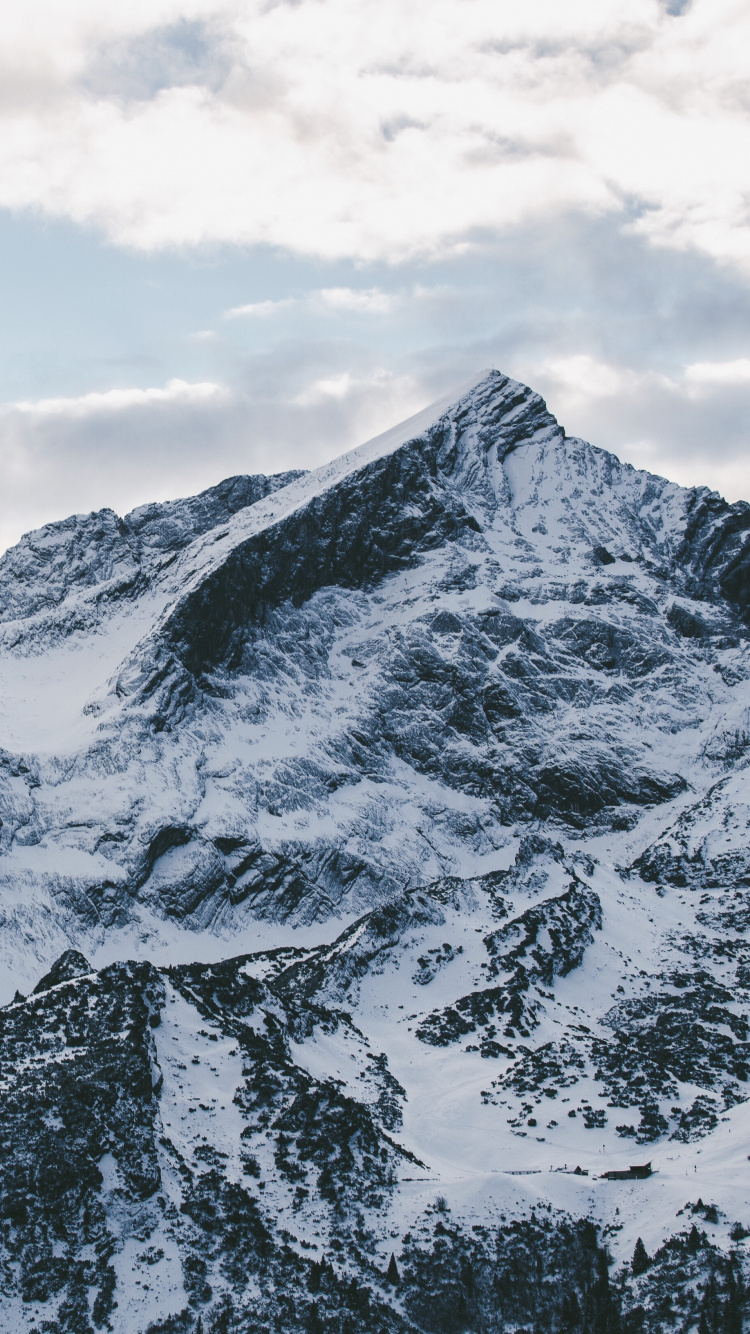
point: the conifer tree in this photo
(641, 1259)
(734, 1304)
(605, 1314)
(314, 1323)
(570, 1313)
(710, 1321)
(693, 1241)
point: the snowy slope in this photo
(435, 759)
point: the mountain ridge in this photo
(414, 791)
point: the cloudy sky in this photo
(243, 235)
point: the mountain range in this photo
(374, 880)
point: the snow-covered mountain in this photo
(414, 791)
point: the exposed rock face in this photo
(70, 964)
(116, 555)
(450, 737)
(714, 549)
(546, 941)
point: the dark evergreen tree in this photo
(693, 1241)
(393, 1275)
(634, 1321)
(601, 1314)
(570, 1313)
(467, 1276)
(314, 1323)
(608, 1307)
(711, 1314)
(641, 1259)
(222, 1320)
(734, 1304)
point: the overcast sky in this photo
(240, 237)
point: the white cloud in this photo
(703, 376)
(691, 426)
(583, 378)
(364, 301)
(350, 386)
(258, 309)
(346, 300)
(116, 400)
(358, 128)
(334, 386)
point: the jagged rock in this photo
(101, 549)
(70, 964)
(548, 940)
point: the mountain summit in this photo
(462, 717)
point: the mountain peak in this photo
(427, 753)
(503, 412)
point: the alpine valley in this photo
(374, 879)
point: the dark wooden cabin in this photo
(636, 1172)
